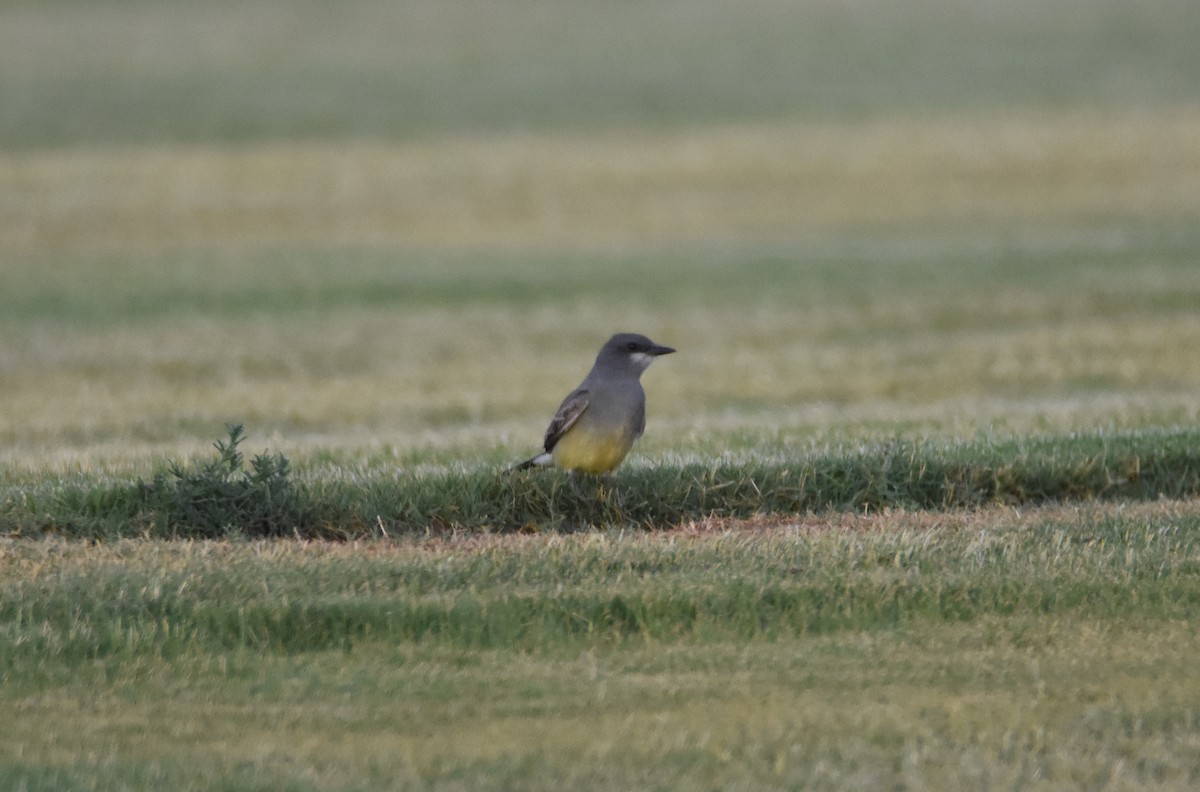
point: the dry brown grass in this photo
(350, 380)
(1037, 169)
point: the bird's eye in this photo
(631, 346)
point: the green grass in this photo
(135, 72)
(1040, 649)
(1144, 270)
(164, 601)
(917, 504)
(261, 497)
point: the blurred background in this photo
(397, 232)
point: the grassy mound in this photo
(264, 498)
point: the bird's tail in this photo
(541, 460)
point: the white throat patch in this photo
(641, 359)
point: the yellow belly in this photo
(589, 452)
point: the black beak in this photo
(657, 350)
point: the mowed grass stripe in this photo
(64, 604)
(1040, 170)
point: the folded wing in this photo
(572, 407)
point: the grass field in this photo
(1032, 649)
(917, 505)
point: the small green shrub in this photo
(221, 496)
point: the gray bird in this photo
(599, 421)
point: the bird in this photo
(599, 421)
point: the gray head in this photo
(629, 353)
